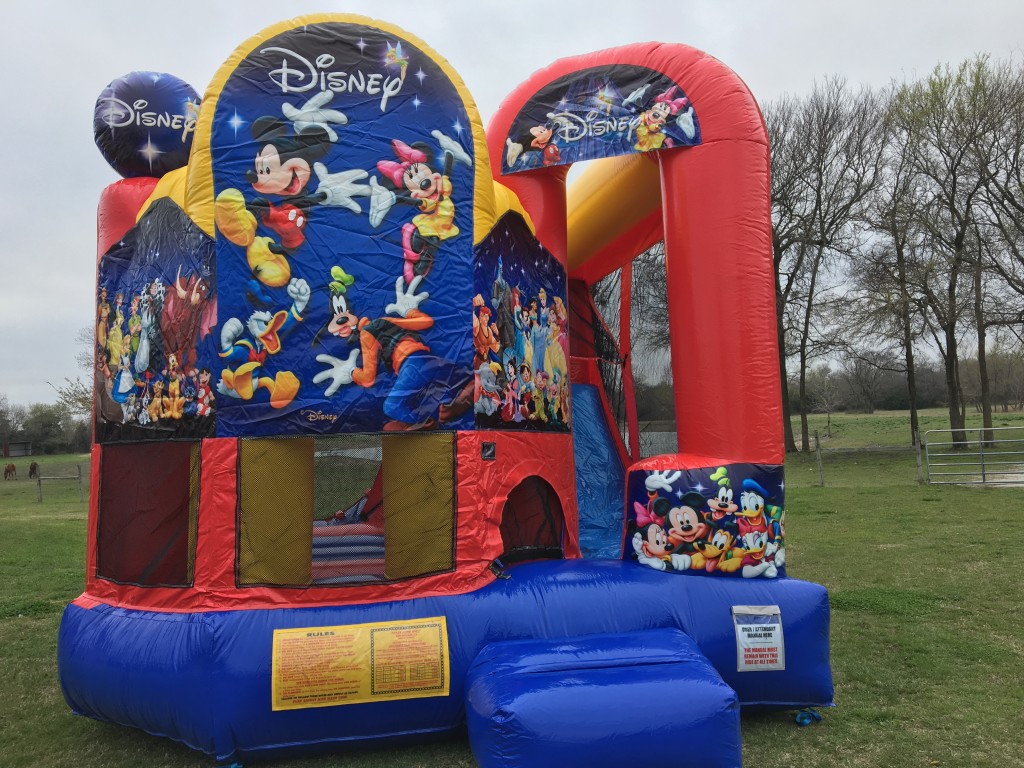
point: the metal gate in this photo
(973, 459)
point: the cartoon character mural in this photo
(147, 361)
(686, 520)
(320, 137)
(413, 180)
(426, 390)
(525, 287)
(246, 369)
(600, 112)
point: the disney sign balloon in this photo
(143, 123)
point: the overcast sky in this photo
(58, 55)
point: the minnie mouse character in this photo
(650, 133)
(413, 179)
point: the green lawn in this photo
(927, 652)
(888, 428)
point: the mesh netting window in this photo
(148, 506)
(352, 509)
(593, 338)
(531, 523)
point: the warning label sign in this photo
(760, 645)
(327, 666)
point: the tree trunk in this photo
(957, 418)
(979, 321)
(787, 425)
(908, 342)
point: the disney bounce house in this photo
(366, 460)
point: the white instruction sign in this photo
(759, 643)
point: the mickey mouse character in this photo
(288, 157)
(654, 550)
(687, 527)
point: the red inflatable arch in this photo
(711, 204)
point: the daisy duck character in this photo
(416, 179)
(245, 358)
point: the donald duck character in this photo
(245, 359)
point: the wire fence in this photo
(992, 456)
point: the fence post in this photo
(917, 447)
(817, 453)
(39, 482)
(981, 454)
(79, 468)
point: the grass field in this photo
(927, 650)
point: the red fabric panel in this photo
(483, 486)
(722, 314)
(218, 501)
(119, 206)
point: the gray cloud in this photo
(58, 56)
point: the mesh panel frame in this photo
(147, 513)
(381, 508)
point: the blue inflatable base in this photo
(603, 701)
(204, 679)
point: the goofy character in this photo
(422, 380)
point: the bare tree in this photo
(946, 117)
(829, 160)
(74, 394)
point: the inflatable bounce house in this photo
(366, 459)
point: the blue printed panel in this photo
(727, 520)
(343, 172)
(520, 333)
(156, 307)
(600, 112)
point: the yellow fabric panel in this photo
(505, 200)
(199, 197)
(275, 536)
(419, 508)
(609, 197)
(172, 185)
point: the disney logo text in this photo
(298, 74)
(313, 416)
(120, 114)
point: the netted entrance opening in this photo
(343, 510)
(148, 506)
(593, 338)
(532, 523)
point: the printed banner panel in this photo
(727, 520)
(343, 173)
(156, 307)
(520, 333)
(600, 112)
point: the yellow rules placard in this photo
(327, 666)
